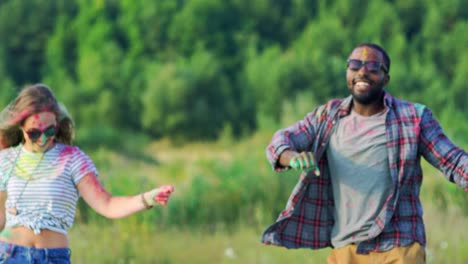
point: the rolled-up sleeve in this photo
(298, 137)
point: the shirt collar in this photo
(345, 106)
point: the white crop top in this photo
(41, 187)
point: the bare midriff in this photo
(25, 237)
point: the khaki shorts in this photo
(412, 254)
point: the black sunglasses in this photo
(34, 134)
(372, 66)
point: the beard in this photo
(369, 97)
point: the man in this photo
(361, 197)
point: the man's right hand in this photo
(304, 161)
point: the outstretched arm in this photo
(438, 150)
(98, 198)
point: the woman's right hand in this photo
(159, 195)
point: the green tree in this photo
(146, 27)
(25, 26)
(8, 90)
(187, 99)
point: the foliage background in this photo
(190, 69)
(190, 91)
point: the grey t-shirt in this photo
(358, 162)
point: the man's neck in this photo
(369, 109)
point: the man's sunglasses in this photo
(34, 134)
(372, 66)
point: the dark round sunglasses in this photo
(34, 134)
(372, 66)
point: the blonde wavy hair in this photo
(33, 99)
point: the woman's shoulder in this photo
(65, 150)
(10, 150)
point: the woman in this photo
(41, 178)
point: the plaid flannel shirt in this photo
(411, 132)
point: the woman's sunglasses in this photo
(372, 66)
(34, 134)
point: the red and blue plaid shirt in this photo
(411, 132)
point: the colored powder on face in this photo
(364, 53)
(43, 139)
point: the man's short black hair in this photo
(379, 48)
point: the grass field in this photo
(127, 241)
(224, 199)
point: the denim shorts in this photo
(12, 254)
